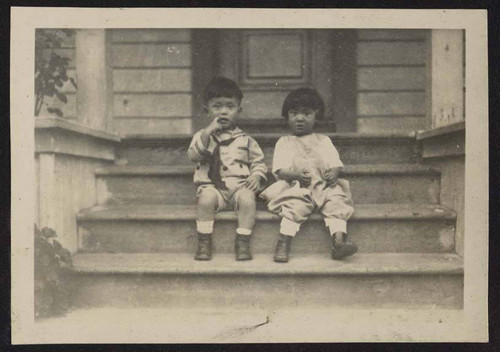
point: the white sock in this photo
(288, 227)
(242, 231)
(205, 227)
(336, 225)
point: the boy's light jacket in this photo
(241, 157)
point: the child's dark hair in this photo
(304, 98)
(222, 87)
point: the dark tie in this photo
(215, 164)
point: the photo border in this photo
(380, 325)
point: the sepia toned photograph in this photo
(250, 180)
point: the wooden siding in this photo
(157, 105)
(391, 103)
(391, 53)
(381, 124)
(151, 35)
(148, 125)
(152, 55)
(391, 80)
(144, 80)
(152, 80)
(390, 34)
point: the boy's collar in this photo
(234, 133)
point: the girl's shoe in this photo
(282, 249)
(342, 248)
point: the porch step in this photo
(370, 184)
(376, 228)
(354, 148)
(176, 280)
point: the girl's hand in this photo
(331, 177)
(304, 178)
(253, 183)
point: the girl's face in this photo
(301, 120)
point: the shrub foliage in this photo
(52, 294)
(50, 68)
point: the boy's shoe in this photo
(282, 249)
(342, 248)
(204, 251)
(242, 247)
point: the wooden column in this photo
(204, 64)
(446, 81)
(343, 79)
(95, 81)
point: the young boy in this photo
(230, 168)
(307, 167)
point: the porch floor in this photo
(133, 325)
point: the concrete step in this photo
(376, 228)
(177, 281)
(354, 148)
(136, 184)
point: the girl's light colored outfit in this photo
(316, 153)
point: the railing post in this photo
(447, 77)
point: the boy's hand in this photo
(331, 177)
(213, 127)
(253, 183)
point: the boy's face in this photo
(301, 120)
(225, 110)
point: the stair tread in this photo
(188, 212)
(361, 169)
(304, 264)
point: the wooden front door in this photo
(270, 63)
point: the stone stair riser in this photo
(179, 189)
(141, 211)
(179, 236)
(364, 153)
(267, 292)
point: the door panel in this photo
(268, 64)
(271, 57)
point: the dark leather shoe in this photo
(342, 248)
(282, 249)
(242, 247)
(204, 251)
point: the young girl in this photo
(306, 166)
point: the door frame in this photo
(339, 77)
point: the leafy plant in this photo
(52, 294)
(50, 68)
